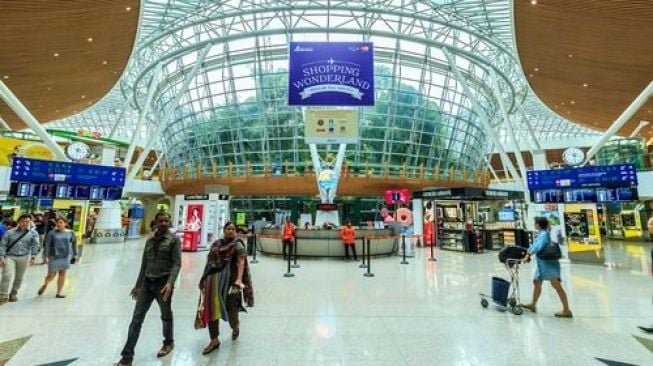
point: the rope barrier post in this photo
(294, 247)
(433, 237)
(254, 261)
(403, 249)
(369, 262)
(363, 265)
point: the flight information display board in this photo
(608, 176)
(46, 171)
(65, 191)
(577, 195)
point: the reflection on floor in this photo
(423, 313)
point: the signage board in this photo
(326, 207)
(577, 195)
(331, 74)
(196, 197)
(610, 176)
(46, 171)
(331, 126)
(397, 196)
(65, 191)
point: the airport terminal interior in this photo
(374, 182)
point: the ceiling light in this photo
(57, 111)
(570, 55)
(531, 75)
(537, 69)
(533, 2)
(104, 62)
(90, 39)
(7, 77)
(83, 96)
(49, 88)
(572, 102)
(585, 85)
(562, 103)
(56, 54)
(128, 8)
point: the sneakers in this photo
(167, 348)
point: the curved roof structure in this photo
(588, 59)
(60, 57)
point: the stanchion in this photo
(433, 243)
(253, 261)
(363, 265)
(294, 249)
(369, 262)
(289, 273)
(403, 249)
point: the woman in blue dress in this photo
(546, 269)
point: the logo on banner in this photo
(327, 179)
(323, 73)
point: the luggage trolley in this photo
(506, 293)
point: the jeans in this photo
(14, 269)
(233, 307)
(150, 290)
(353, 249)
(288, 245)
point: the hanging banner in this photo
(331, 126)
(331, 74)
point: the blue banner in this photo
(331, 74)
(45, 171)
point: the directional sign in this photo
(45, 171)
(609, 176)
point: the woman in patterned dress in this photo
(225, 275)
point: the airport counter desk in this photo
(327, 243)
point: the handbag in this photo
(550, 251)
(199, 316)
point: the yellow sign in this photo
(10, 148)
(331, 126)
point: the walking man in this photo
(159, 269)
(18, 248)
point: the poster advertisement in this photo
(194, 218)
(10, 148)
(331, 73)
(576, 224)
(331, 126)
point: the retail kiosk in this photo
(199, 219)
(474, 219)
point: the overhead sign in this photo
(610, 176)
(46, 171)
(331, 73)
(331, 126)
(573, 195)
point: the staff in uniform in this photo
(348, 235)
(287, 238)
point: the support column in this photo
(114, 128)
(621, 121)
(4, 124)
(641, 125)
(168, 112)
(538, 147)
(21, 111)
(489, 165)
(481, 115)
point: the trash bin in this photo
(500, 288)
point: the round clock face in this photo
(573, 156)
(78, 150)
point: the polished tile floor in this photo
(423, 313)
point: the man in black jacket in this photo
(159, 269)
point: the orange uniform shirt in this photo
(348, 234)
(288, 231)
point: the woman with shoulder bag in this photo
(547, 267)
(225, 281)
(60, 243)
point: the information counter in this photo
(327, 243)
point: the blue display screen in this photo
(45, 171)
(612, 176)
(600, 195)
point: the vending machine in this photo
(199, 219)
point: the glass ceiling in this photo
(234, 109)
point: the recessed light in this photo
(531, 75)
(83, 96)
(49, 88)
(90, 39)
(536, 69)
(104, 62)
(128, 8)
(562, 103)
(56, 54)
(572, 102)
(585, 85)
(57, 111)
(533, 2)
(40, 105)
(570, 55)
(7, 77)
(115, 72)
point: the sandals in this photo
(213, 345)
(562, 314)
(167, 348)
(529, 307)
